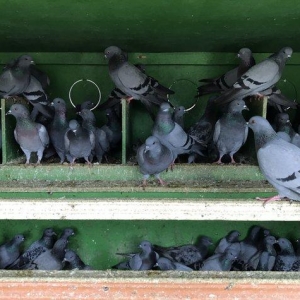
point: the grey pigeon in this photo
(79, 142)
(178, 115)
(267, 255)
(15, 77)
(296, 264)
(46, 242)
(66, 233)
(271, 149)
(51, 259)
(258, 78)
(58, 128)
(186, 254)
(226, 81)
(88, 104)
(113, 128)
(144, 260)
(283, 124)
(286, 257)
(74, 261)
(231, 131)
(132, 81)
(220, 262)
(102, 143)
(225, 242)
(153, 158)
(10, 251)
(166, 264)
(202, 131)
(31, 136)
(172, 135)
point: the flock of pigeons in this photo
(259, 251)
(169, 139)
(47, 253)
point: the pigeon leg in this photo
(232, 160)
(219, 161)
(27, 154)
(128, 99)
(269, 199)
(40, 156)
(160, 181)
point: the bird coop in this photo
(190, 54)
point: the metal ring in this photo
(90, 82)
(184, 79)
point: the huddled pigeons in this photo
(258, 251)
(47, 253)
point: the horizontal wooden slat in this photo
(149, 209)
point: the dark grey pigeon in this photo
(153, 158)
(178, 115)
(225, 242)
(67, 232)
(258, 78)
(46, 242)
(31, 136)
(296, 264)
(113, 128)
(268, 254)
(172, 135)
(132, 81)
(286, 257)
(283, 124)
(15, 77)
(102, 145)
(58, 128)
(10, 251)
(79, 142)
(166, 264)
(186, 254)
(88, 104)
(226, 81)
(220, 262)
(145, 260)
(75, 262)
(51, 259)
(271, 149)
(231, 132)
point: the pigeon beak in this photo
(288, 121)
(146, 149)
(8, 113)
(74, 130)
(78, 113)
(140, 246)
(32, 62)
(238, 55)
(245, 107)
(52, 103)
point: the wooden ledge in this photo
(149, 209)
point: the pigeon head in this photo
(112, 51)
(205, 240)
(231, 254)
(58, 104)
(285, 245)
(270, 240)
(287, 51)
(179, 111)
(145, 245)
(74, 125)
(237, 106)
(18, 239)
(67, 232)
(69, 256)
(25, 61)
(87, 105)
(87, 114)
(165, 107)
(151, 143)
(244, 53)
(233, 236)
(19, 111)
(282, 118)
(49, 232)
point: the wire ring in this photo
(70, 91)
(184, 79)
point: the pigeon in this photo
(220, 262)
(75, 262)
(153, 158)
(31, 136)
(286, 257)
(132, 81)
(50, 259)
(258, 78)
(231, 131)
(178, 115)
(67, 232)
(102, 145)
(283, 124)
(166, 264)
(113, 128)
(271, 149)
(202, 131)
(230, 238)
(145, 260)
(268, 255)
(15, 77)
(226, 81)
(171, 135)
(79, 142)
(186, 254)
(58, 128)
(10, 251)
(46, 242)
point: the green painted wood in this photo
(156, 26)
